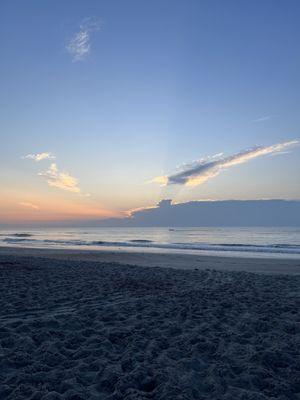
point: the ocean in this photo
(247, 242)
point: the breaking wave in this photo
(143, 243)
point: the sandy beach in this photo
(109, 325)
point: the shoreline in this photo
(166, 260)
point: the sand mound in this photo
(85, 330)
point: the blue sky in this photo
(163, 83)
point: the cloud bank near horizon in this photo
(200, 171)
(80, 45)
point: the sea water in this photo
(266, 242)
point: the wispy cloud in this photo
(61, 180)
(80, 44)
(40, 156)
(262, 119)
(54, 177)
(29, 205)
(202, 170)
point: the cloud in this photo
(162, 180)
(262, 119)
(40, 156)
(29, 205)
(80, 44)
(61, 180)
(54, 177)
(202, 170)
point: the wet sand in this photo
(177, 260)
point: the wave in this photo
(277, 245)
(141, 241)
(21, 235)
(283, 248)
(17, 240)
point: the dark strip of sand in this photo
(169, 260)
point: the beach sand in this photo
(92, 325)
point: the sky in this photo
(108, 106)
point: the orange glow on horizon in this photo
(14, 210)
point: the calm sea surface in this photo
(266, 242)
